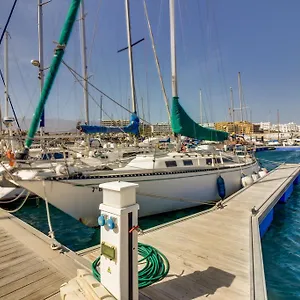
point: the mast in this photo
(133, 96)
(232, 105)
(6, 73)
(84, 63)
(173, 49)
(240, 95)
(157, 62)
(173, 61)
(201, 115)
(1, 119)
(101, 109)
(278, 123)
(41, 57)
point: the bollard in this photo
(119, 241)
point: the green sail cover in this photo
(184, 125)
(56, 60)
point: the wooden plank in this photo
(25, 282)
(17, 260)
(19, 267)
(17, 253)
(55, 296)
(11, 250)
(22, 273)
(13, 244)
(51, 286)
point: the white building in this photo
(265, 126)
(292, 127)
(285, 128)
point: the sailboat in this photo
(167, 182)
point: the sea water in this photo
(280, 245)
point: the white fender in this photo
(247, 180)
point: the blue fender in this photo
(221, 187)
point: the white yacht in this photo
(166, 183)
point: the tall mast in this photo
(232, 105)
(6, 73)
(201, 114)
(41, 57)
(84, 63)
(133, 96)
(278, 123)
(240, 95)
(173, 48)
(173, 61)
(101, 110)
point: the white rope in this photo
(55, 245)
(22, 204)
(13, 200)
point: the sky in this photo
(215, 39)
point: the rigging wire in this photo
(11, 105)
(95, 31)
(206, 78)
(74, 73)
(220, 60)
(8, 20)
(21, 76)
(94, 100)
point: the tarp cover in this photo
(133, 127)
(184, 125)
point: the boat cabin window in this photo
(187, 162)
(171, 163)
(208, 161)
(226, 160)
(217, 160)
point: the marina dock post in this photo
(119, 240)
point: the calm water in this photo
(281, 244)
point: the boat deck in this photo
(217, 255)
(29, 268)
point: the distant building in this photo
(115, 123)
(238, 127)
(285, 128)
(161, 128)
(265, 126)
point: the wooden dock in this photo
(29, 269)
(217, 255)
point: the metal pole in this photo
(0, 117)
(173, 48)
(173, 61)
(41, 58)
(278, 123)
(84, 63)
(101, 109)
(232, 105)
(240, 95)
(133, 97)
(201, 115)
(6, 74)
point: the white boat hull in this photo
(80, 198)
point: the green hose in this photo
(156, 266)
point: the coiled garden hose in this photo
(156, 266)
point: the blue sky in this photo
(215, 40)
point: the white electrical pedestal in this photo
(119, 241)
